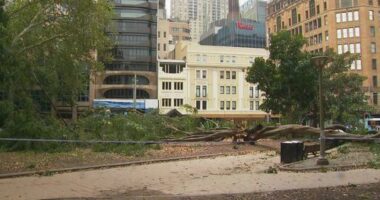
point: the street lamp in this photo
(320, 62)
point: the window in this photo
(198, 105)
(251, 105)
(370, 15)
(233, 105)
(221, 89)
(164, 47)
(233, 75)
(222, 59)
(352, 48)
(374, 64)
(233, 89)
(326, 35)
(204, 91)
(356, 65)
(178, 85)
(338, 17)
(228, 75)
(164, 34)
(345, 48)
(357, 32)
(204, 74)
(204, 105)
(344, 17)
(198, 74)
(198, 58)
(257, 105)
(340, 49)
(294, 16)
(159, 34)
(350, 16)
(351, 32)
(324, 5)
(345, 34)
(370, 2)
(325, 19)
(198, 91)
(221, 74)
(159, 47)
(307, 14)
(372, 31)
(228, 90)
(166, 85)
(374, 81)
(166, 102)
(356, 15)
(257, 92)
(178, 102)
(233, 59)
(312, 8)
(228, 105)
(373, 47)
(318, 10)
(357, 48)
(375, 102)
(339, 33)
(222, 105)
(251, 90)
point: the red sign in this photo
(244, 26)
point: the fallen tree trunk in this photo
(261, 132)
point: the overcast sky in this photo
(168, 6)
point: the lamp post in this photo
(320, 62)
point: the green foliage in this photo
(48, 53)
(375, 149)
(290, 83)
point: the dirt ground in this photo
(12, 162)
(360, 192)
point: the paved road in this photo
(234, 174)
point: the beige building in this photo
(199, 14)
(169, 33)
(211, 79)
(344, 25)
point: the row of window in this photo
(312, 25)
(254, 92)
(201, 74)
(168, 85)
(348, 32)
(228, 105)
(166, 102)
(315, 39)
(347, 16)
(199, 93)
(159, 47)
(227, 89)
(201, 105)
(228, 74)
(352, 48)
(254, 105)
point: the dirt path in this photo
(222, 175)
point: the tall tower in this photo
(233, 10)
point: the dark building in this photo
(235, 33)
(233, 10)
(134, 31)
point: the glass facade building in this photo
(134, 31)
(236, 33)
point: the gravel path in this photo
(222, 175)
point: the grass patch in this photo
(375, 149)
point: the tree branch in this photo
(42, 42)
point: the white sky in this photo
(168, 5)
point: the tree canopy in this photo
(290, 83)
(48, 50)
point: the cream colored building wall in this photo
(164, 39)
(208, 59)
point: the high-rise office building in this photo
(343, 25)
(199, 13)
(254, 10)
(133, 72)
